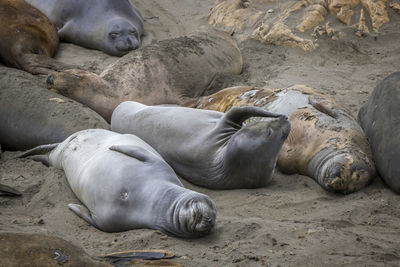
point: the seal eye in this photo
(132, 31)
(114, 35)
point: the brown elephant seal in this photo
(379, 118)
(28, 39)
(167, 72)
(209, 148)
(114, 27)
(31, 115)
(29, 249)
(325, 142)
(125, 184)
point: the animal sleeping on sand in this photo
(125, 184)
(167, 72)
(28, 39)
(209, 148)
(112, 26)
(325, 142)
(380, 119)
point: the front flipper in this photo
(323, 105)
(136, 152)
(37, 153)
(5, 190)
(238, 115)
(42, 64)
(83, 212)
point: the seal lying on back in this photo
(114, 27)
(126, 184)
(166, 72)
(325, 143)
(380, 118)
(31, 115)
(28, 39)
(208, 148)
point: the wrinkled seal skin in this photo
(208, 148)
(28, 38)
(380, 119)
(31, 115)
(126, 184)
(26, 249)
(167, 72)
(325, 143)
(114, 27)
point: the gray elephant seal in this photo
(114, 27)
(166, 72)
(31, 115)
(325, 142)
(126, 184)
(208, 148)
(379, 118)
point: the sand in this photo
(291, 222)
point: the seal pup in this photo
(325, 142)
(31, 115)
(125, 184)
(208, 148)
(114, 27)
(379, 118)
(28, 39)
(167, 72)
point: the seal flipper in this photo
(238, 115)
(37, 153)
(5, 190)
(83, 212)
(323, 105)
(136, 152)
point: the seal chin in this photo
(198, 217)
(342, 171)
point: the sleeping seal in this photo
(126, 184)
(167, 72)
(114, 27)
(208, 148)
(380, 118)
(325, 142)
(28, 39)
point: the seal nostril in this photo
(50, 80)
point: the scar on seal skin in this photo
(325, 142)
(28, 39)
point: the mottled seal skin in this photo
(28, 38)
(380, 119)
(208, 148)
(31, 115)
(114, 27)
(125, 184)
(167, 72)
(325, 142)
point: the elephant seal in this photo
(114, 27)
(31, 115)
(167, 72)
(208, 148)
(126, 184)
(379, 118)
(325, 142)
(28, 249)
(28, 39)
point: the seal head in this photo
(121, 37)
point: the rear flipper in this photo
(39, 153)
(5, 190)
(42, 64)
(83, 212)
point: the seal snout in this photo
(50, 81)
(200, 217)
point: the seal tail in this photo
(39, 153)
(238, 115)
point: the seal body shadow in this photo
(28, 39)
(170, 71)
(324, 143)
(380, 119)
(208, 148)
(125, 184)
